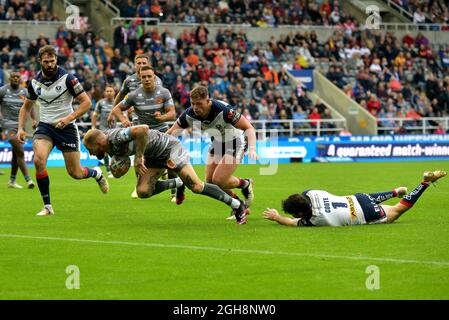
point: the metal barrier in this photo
(108, 4)
(401, 10)
(390, 26)
(423, 125)
(265, 128)
(146, 21)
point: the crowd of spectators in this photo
(25, 10)
(426, 11)
(235, 69)
(391, 77)
(250, 12)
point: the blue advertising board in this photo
(298, 149)
(305, 76)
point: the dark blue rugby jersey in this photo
(220, 123)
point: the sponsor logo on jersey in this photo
(39, 91)
(352, 208)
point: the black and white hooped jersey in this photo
(121, 142)
(54, 95)
(220, 123)
(103, 108)
(11, 100)
(331, 210)
(147, 103)
(132, 83)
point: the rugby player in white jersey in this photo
(320, 208)
(55, 90)
(231, 135)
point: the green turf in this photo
(134, 259)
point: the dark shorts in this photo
(236, 148)
(65, 140)
(373, 212)
(175, 157)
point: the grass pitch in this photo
(153, 249)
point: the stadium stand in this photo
(17, 10)
(254, 13)
(401, 81)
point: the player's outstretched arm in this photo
(120, 96)
(175, 129)
(140, 135)
(117, 113)
(34, 119)
(24, 111)
(94, 120)
(250, 132)
(272, 214)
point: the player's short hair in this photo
(142, 55)
(297, 205)
(90, 136)
(145, 68)
(109, 86)
(47, 49)
(199, 92)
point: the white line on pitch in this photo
(230, 250)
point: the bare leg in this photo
(20, 157)
(14, 165)
(211, 166)
(146, 183)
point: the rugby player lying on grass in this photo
(320, 208)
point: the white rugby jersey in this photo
(331, 210)
(54, 95)
(220, 123)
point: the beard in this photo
(49, 73)
(15, 86)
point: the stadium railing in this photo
(424, 125)
(108, 4)
(257, 34)
(398, 8)
(266, 128)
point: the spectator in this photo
(128, 10)
(14, 41)
(373, 104)
(419, 17)
(201, 34)
(314, 115)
